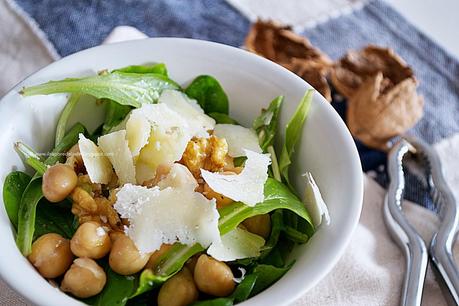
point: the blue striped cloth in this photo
(75, 25)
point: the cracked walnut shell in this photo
(376, 112)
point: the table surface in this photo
(436, 18)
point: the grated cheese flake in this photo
(116, 148)
(167, 216)
(96, 163)
(246, 187)
(238, 139)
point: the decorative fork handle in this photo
(402, 232)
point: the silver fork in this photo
(425, 162)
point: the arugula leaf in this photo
(293, 133)
(30, 157)
(116, 291)
(13, 188)
(244, 289)
(64, 117)
(277, 196)
(209, 94)
(266, 276)
(266, 124)
(276, 228)
(132, 89)
(33, 193)
(115, 113)
(151, 68)
(223, 118)
(54, 218)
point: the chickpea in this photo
(51, 255)
(125, 258)
(154, 258)
(84, 279)
(90, 240)
(213, 277)
(260, 225)
(58, 182)
(179, 290)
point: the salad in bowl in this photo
(170, 201)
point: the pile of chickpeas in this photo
(74, 261)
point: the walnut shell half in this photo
(279, 44)
(377, 113)
(356, 66)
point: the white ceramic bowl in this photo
(326, 148)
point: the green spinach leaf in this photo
(209, 94)
(293, 133)
(223, 118)
(215, 302)
(132, 89)
(244, 289)
(13, 188)
(151, 68)
(266, 276)
(54, 218)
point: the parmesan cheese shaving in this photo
(179, 177)
(189, 109)
(314, 202)
(246, 187)
(137, 131)
(115, 146)
(237, 244)
(167, 216)
(96, 163)
(238, 139)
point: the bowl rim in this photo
(357, 174)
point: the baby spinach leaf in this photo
(33, 194)
(13, 188)
(223, 118)
(209, 94)
(152, 68)
(132, 89)
(54, 218)
(276, 228)
(293, 132)
(64, 117)
(115, 113)
(116, 291)
(26, 215)
(266, 276)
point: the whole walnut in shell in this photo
(379, 111)
(279, 44)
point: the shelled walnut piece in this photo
(281, 45)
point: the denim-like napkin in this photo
(75, 25)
